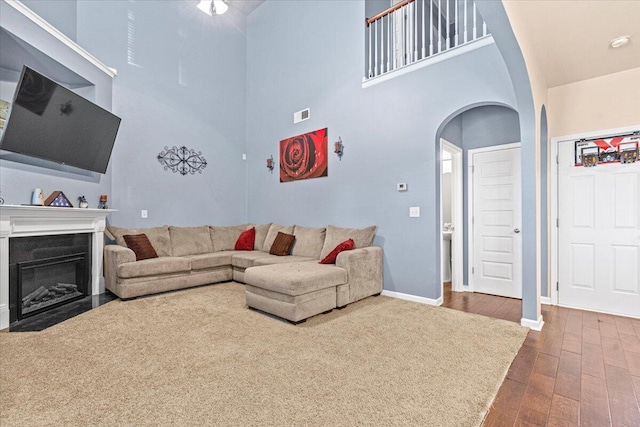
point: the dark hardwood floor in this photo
(582, 369)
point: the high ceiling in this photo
(570, 38)
(245, 6)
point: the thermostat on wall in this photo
(302, 115)
(401, 186)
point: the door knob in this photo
(516, 230)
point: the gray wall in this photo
(62, 14)
(309, 54)
(181, 81)
(544, 223)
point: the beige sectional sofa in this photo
(293, 287)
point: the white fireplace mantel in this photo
(24, 221)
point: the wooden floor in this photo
(582, 369)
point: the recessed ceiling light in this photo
(619, 41)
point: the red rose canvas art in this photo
(304, 156)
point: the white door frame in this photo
(457, 207)
(553, 196)
(470, 246)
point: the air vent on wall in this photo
(301, 115)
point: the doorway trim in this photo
(457, 207)
(470, 244)
(553, 199)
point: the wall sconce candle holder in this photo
(338, 148)
(270, 164)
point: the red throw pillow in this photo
(140, 244)
(246, 240)
(347, 245)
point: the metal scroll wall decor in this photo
(182, 160)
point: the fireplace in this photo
(46, 272)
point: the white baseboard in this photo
(533, 324)
(546, 300)
(414, 298)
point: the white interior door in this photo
(497, 245)
(598, 235)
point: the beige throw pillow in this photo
(224, 238)
(362, 237)
(190, 240)
(309, 241)
(158, 236)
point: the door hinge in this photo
(473, 169)
(557, 160)
(557, 286)
(473, 270)
(557, 222)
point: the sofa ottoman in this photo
(293, 291)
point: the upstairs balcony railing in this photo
(415, 30)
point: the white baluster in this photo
(431, 27)
(375, 66)
(388, 42)
(424, 46)
(465, 21)
(382, 45)
(395, 40)
(370, 54)
(484, 28)
(475, 30)
(439, 27)
(455, 26)
(415, 32)
(448, 44)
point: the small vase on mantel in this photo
(103, 202)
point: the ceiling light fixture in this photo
(213, 6)
(619, 41)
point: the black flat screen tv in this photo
(50, 122)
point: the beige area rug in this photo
(200, 357)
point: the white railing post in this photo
(415, 31)
(439, 28)
(369, 75)
(375, 64)
(455, 26)
(431, 27)
(382, 45)
(484, 27)
(475, 30)
(388, 42)
(465, 21)
(424, 46)
(448, 43)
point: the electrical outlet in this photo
(143, 213)
(401, 186)
(244, 156)
(414, 212)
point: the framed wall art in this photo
(304, 156)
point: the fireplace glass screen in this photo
(49, 282)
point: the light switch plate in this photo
(414, 212)
(144, 213)
(401, 186)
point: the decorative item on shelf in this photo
(37, 197)
(628, 152)
(82, 202)
(103, 202)
(182, 160)
(1, 199)
(58, 199)
(338, 148)
(304, 156)
(270, 163)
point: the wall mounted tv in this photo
(48, 121)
